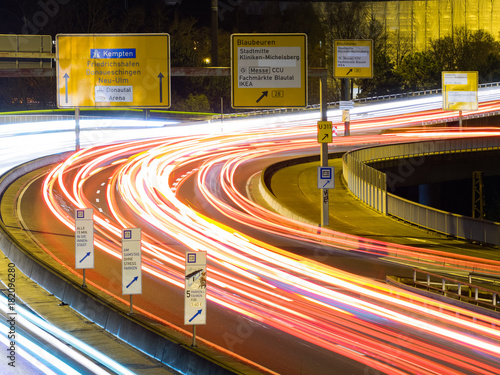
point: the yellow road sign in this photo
(353, 58)
(325, 132)
(460, 91)
(346, 116)
(268, 70)
(113, 70)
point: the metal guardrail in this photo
(370, 186)
(446, 286)
(16, 119)
(336, 104)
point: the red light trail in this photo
(353, 316)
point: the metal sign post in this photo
(353, 59)
(326, 180)
(324, 151)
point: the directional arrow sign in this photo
(326, 178)
(66, 76)
(353, 58)
(113, 70)
(133, 281)
(269, 70)
(84, 238)
(325, 132)
(264, 93)
(195, 315)
(460, 91)
(195, 300)
(131, 261)
(160, 76)
(85, 257)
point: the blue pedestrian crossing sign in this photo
(326, 178)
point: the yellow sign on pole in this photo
(113, 70)
(268, 70)
(460, 91)
(353, 58)
(325, 132)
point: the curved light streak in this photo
(78, 351)
(292, 293)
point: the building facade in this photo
(419, 21)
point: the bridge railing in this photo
(457, 289)
(370, 186)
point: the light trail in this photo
(347, 314)
(47, 335)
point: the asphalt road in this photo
(259, 342)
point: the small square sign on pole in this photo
(325, 132)
(326, 178)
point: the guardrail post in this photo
(428, 282)
(459, 292)
(494, 300)
(476, 295)
(443, 286)
(414, 277)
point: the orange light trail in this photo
(292, 293)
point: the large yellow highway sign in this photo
(353, 58)
(113, 70)
(460, 91)
(268, 70)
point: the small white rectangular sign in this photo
(269, 67)
(326, 178)
(110, 94)
(462, 96)
(84, 238)
(131, 261)
(455, 78)
(195, 301)
(353, 56)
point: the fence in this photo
(458, 289)
(370, 186)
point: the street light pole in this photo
(215, 38)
